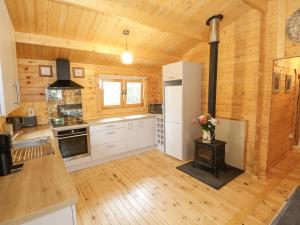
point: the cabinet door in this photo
(9, 98)
(109, 136)
(107, 150)
(173, 147)
(132, 135)
(173, 71)
(173, 104)
(146, 132)
(64, 216)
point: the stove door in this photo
(74, 146)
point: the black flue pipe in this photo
(213, 23)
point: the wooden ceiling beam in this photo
(42, 40)
(116, 9)
(260, 5)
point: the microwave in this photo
(156, 108)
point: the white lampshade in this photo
(127, 57)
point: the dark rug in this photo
(206, 175)
(289, 214)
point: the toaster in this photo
(29, 121)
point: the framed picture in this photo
(45, 71)
(276, 83)
(78, 72)
(288, 83)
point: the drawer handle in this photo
(110, 133)
(110, 146)
(110, 125)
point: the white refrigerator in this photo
(182, 106)
(173, 121)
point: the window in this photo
(112, 93)
(121, 93)
(133, 93)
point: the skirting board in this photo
(88, 162)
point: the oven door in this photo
(74, 145)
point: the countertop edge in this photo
(118, 119)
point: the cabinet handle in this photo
(110, 125)
(110, 133)
(17, 102)
(171, 77)
(110, 146)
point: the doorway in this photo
(284, 127)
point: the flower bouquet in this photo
(208, 125)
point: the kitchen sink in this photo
(31, 149)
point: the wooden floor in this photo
(148, 189)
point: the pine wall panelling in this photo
(247, 49)
(33, 88)
(282, 112)
(237, 73)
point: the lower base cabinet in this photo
(117, 138)
(107, 150)
(65, 216)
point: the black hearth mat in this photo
(289, 214)
(206, 175)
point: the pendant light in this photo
(126, 56)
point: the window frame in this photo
(123, 97)
(102, 94)
(141, 94)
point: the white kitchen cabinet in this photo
(65, 216)
(107, 140)
(108, 126)
(107, 150)
(173, 104)
(146, 132)
(116, 138)
(9, 81)
(132, 141)
(173, 71)
(174, 140)
(104, 137)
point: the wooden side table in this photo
(211, 155)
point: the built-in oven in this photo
(73, 143)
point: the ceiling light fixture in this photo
(126, 57)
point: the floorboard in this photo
(148, 189)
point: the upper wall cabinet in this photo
(9, 81)
(173, 71)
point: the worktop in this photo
(121, 118)
(43, 186)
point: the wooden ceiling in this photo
(90, 31)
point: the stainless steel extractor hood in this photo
(63, 76)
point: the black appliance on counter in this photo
(5, 154)
(16, 121)
(6, 162)
(155, 108)
(29, 121)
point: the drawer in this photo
(103, 137)
(106, 150)
(108, 126)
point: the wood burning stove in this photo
(210, 155)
